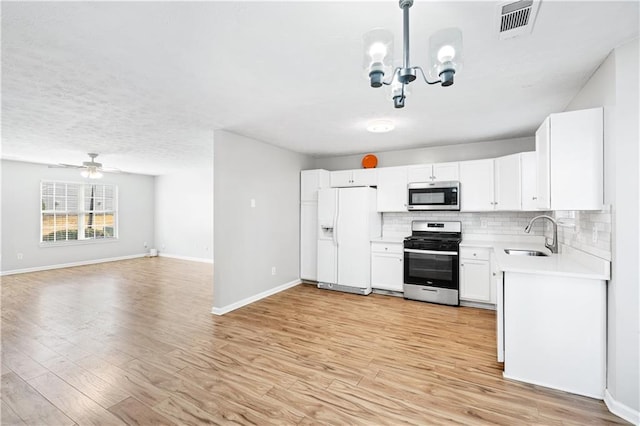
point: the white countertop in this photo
(569, 262)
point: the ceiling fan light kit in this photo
(445, 58)
(91, 173)
(91, 168)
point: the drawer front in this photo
(386, 248)
(474, 253)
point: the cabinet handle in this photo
(475, 254)
(386, 248)
(400, 260)
(462, 264)
(534, 198)
(494, 274)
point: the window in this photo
(78, 211)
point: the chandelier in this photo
(445, 58)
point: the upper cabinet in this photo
(507, 183)
(491, 184)
(528, 182)
(357, 177)
(433, 172)
(392, 189)
(569, 159)
(476, 185)
(311, 181)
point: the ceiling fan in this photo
(90, 169)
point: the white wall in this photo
(184, 214)
(21, 218)
(438, 154)
(615, 86)
(249, 241)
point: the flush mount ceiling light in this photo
(445, 58)
(380, 126)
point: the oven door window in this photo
(431, 270)
(433, 197)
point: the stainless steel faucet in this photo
(554, 245)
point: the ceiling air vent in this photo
(517, 18)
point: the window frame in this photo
(81, 213)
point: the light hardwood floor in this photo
(133, 342)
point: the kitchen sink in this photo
(521, 252)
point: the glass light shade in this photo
(91, 173)
(445, 52)
(378, 51)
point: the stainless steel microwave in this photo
(434, 196)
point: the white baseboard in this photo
(470, 304)
(192, 259)
(621, 410)
(255, 298)
(70, 265)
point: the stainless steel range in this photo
(431, 262)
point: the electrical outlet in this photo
(273, 270)
(19, 256)
(253, 203)
(483, 223)
(594, 234)
(145, 244)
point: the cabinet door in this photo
(576, 146)
(341, 178)
(309, 241)
(507, 183)
(422, 173)
(528, 182)
(387, 271)
(364, 177)
(476, 185)
(446, 171)
(543, 163)
(310, 182)
(475, 280)
(392, 189)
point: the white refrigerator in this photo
(347, 220)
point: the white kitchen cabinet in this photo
(543, 164)
(356, 177)
(475, 276)
(555, 332)
(311, 181)
(387, 266)
(433, 172)
(491, 184)
(476, 185)
(446, 171)
(507, 187)
(392, 189)
(528, 182)
(569, 156)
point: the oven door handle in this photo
(442, 253)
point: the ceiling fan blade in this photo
(110, 170)
(65, 166)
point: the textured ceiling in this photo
(145, 83)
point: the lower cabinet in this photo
(475, 275)
(387, 266)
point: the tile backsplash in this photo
(496, 223)
(588, 231)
